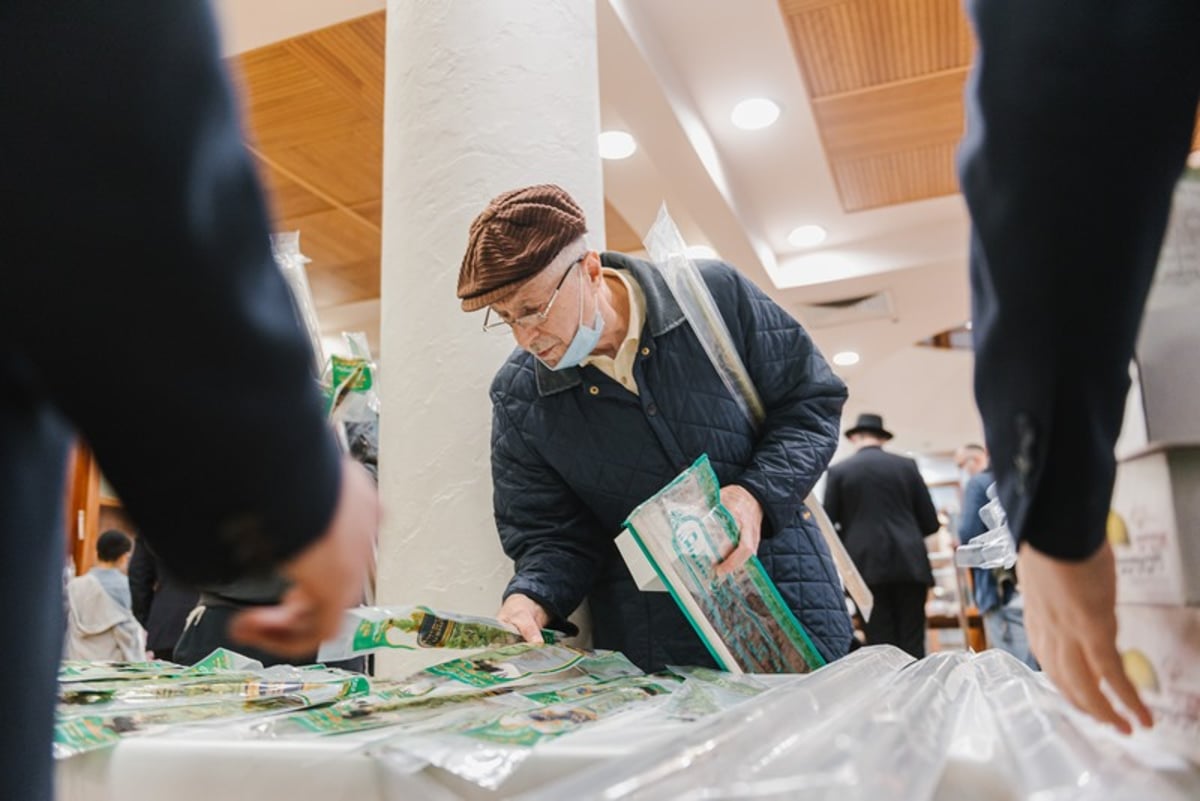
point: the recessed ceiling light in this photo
(701, 252)
(755, 113)
(806, 236)
(616, 145)
(845, 358)
(1193, 160)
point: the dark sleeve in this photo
(923, 508)
(143, 575)
(833, 501)
(974, 497)
(1066, 236)
(141, 288)
(552, 539)
(802, 396)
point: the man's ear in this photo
(591, 266)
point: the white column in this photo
(482, 96)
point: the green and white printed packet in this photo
(367, 629)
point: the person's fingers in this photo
(1077, 674)
(737, 557)
(287, 631)
(528, 628)
(1107, 664)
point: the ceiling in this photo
(870, 92)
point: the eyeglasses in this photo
(529, 320)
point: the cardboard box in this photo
(1154, 527)
(1161, 407)
(1160, 648)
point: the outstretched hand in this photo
(327, 577)
(1070, 617)
(524, 614)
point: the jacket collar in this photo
(662, 314)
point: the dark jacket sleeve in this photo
(142, 291)
(923, 509)
(543, 527)
(143, 575)
(1062, 252)
(802, 396)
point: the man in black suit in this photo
(1080, 117)
(881, 507)
(141, 308)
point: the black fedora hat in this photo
(869, 424)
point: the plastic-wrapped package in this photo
(367, 629)
(706, 692)
(684, 531)
(77, 735)
(484, 680)
(99, 703)
(1051, 756)
(809, 736)
(668, 252)
(353, 401)
(286, 249)
(487, 752)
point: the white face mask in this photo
(585, 339)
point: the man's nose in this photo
(524, 336)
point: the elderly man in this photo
(609, 397)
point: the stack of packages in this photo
(1154, 525)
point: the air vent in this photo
(846, 310)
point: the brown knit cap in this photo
(515, 238)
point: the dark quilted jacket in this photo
(573, 452)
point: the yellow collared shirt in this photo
(620, 367)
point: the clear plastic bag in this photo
(285, 247)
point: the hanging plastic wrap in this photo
(286, 249)
(668, 252)
(994, 548)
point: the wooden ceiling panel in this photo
(348, 59)
(347, 167)
(331, 239)
(875, 181)
(856, 44)
(314, 109)
(287, 197)
(886, 81)
(371, 210)
(892, 118)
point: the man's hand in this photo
(1072, 625)
(748, 515)
(526, 615)
(327, 577)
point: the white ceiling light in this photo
(1193, 159)
(616, 145)
(845, 358)
(701, 252)
(807, 236)
(755, 113)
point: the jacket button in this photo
(593, 390)
(651, 409)
(645, 351)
